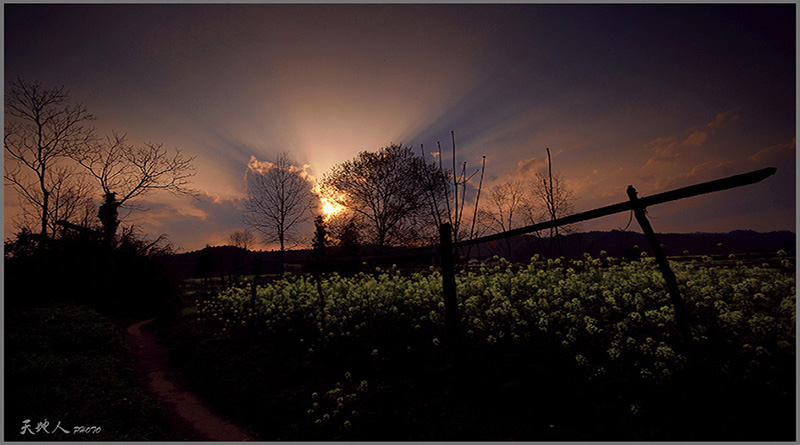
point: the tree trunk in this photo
(282, 268)
(108, 214)
(45, 199)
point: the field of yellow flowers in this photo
(555, 350)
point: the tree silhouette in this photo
(507, 204)
(551, 195)
(349, 240)
(42, 126)
(279, 200)
(243, 239)
(204, 267)
(109, 217)
(387, 189)
(126, 172)
(69, 199)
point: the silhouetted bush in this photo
(126, 277)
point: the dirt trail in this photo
(190, 414)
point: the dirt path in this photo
(190, 414)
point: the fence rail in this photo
(672, 195)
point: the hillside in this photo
(618, 243)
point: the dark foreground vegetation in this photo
(124, 278)
(67, 365)
(558, 349)
(555, 350)
(67, 374)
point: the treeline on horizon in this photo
(741, 245)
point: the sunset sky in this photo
(657, 96)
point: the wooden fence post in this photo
(452, 315)
(256, 273)
(318, 279)
(681, 316)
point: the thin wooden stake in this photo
(445, 184)
(455, 186)
(256, 273)
(475, 212)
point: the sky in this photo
(655, 96)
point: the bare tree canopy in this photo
(42, 126)
(516, 202)
(388, 189)
(69, 199)
(125, 172)
(508, 203)
(130, 171)
(554, 199)
(243, 239)
(551, 197)
(279, 200)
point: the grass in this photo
(68, 366)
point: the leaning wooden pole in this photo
(681, 316)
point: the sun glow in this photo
(330, 207)
(328, 202)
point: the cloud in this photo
(261, 167)
(698, 173)
(698, 137)
(775, 152)
(664, 150)
(669, 150)
(598, 186)
(529, 167)
(207, 220)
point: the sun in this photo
(328, 201)
(330, 208)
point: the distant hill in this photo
(615, 243)
(618, 243)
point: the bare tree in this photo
(387, 189)
(69, 198)
(42, 126)
(507, 203)
(554, 199)
(125, 172)
(279, 200)
(243, 239)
